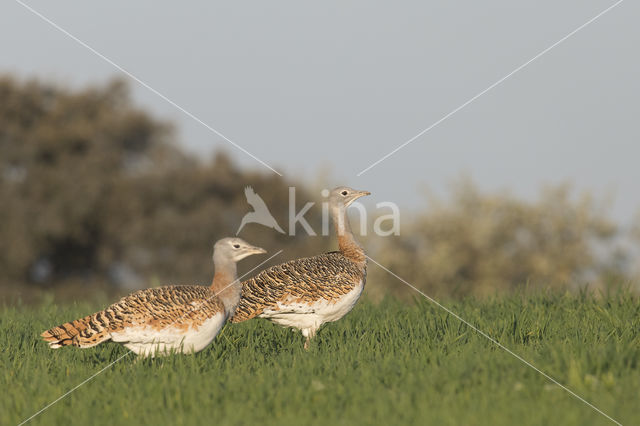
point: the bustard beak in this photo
(248, 250)
(359, 194)
(255, 250)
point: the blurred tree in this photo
(93, 187)
(635, 227)
(62, 153)
(477, 243)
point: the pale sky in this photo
(336, 85)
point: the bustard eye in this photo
(344, 193)
(236, 246)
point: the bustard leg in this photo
(309, 333)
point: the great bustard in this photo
(305, 293)
(158, 321)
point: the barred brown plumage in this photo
(156, 321)
(326, 276)
(305, 293)
(153, 307)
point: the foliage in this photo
(477, 243)
(385, 364)
(62, 154)
(94, 189)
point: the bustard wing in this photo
(154, 308)
(169, 305)
(175, 308)
(298, 282)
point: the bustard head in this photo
(234, 249)
(344, 196)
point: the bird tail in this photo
(83, 333)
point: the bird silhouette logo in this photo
(260, 213)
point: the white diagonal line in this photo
(500, 345)
(491, 87)
(138, 80)
(70, 391)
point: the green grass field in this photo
(388, 363)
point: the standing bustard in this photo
(305, 293)
(158, 321)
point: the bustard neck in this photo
(347, 243)
(225, 284)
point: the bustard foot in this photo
(306, 343)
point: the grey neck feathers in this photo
(349, 247)
(226, 273)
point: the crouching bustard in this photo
(305, 293)
(158, 321)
